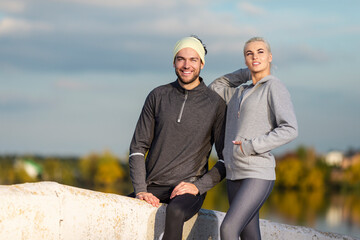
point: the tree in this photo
(101, 172)
(289, 172)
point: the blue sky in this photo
(74, 73)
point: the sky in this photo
(74, 74)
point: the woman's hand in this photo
(238, 143)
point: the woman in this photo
(260, 118)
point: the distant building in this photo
(32, 168)
(334, 158)
(351, 160)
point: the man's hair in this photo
(194, 36)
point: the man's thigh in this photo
(187, 203)
(161, 192)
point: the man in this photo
(177, 127)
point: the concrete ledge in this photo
(48, 210)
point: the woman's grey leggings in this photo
(246, 196)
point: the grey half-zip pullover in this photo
(177, 129)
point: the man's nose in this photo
(186, 64)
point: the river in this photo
(335, 212)
(339, 213)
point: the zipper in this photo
(182, 107)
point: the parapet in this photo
(48, 210)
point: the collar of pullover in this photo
(198, 88)
(265, 79)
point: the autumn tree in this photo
(102, 172)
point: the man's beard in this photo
(188, 82)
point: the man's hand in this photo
(184, 187)
(149, 198)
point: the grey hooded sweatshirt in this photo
(261, 116)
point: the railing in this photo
(48, 210)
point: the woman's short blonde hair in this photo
(258, 39)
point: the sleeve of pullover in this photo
(226, 85)
(217, 172)
(140, 144)
(286, 129)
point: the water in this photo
(338, 213)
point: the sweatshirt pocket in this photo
(262, 160)
(237, 152)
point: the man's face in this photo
(187, 64)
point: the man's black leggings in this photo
(179, 209)
(246, 196)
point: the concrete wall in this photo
(48, 210)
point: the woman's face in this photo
(257, 57)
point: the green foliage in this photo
(352, 175)
(102, 172)
(58, 170)
(314, 180)
(7, 171)
(290, 171)
(301, 170)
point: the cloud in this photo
(111, 38)
(12, 26)
(71, 85)
(299, 53)
(112, 35)
(17, 103)
(250, 8)
(12, 6)
(160, 4)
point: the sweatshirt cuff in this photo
(201, 191)
(211, 178)
(138, 189)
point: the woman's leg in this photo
(246, 197)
